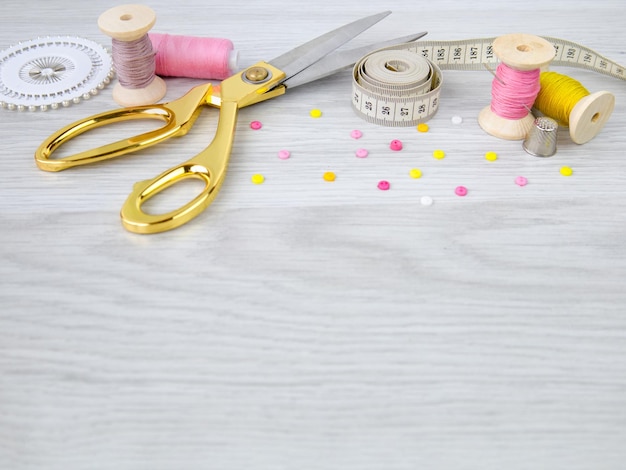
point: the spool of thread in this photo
(568, 102)
(193, 57)
(133, 54)
(516, 85)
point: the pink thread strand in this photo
(134, 62)
(191, 57)
(514, 91)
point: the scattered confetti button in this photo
(491, 156)
(457, 119)
(258, 179)
(284, 154)
(439, 154)
(315, 113)
(329, 176)
(362, 153)
(566, 171)
(356, 134)
(521, 181)
(415, 173)
(395, 145)
(383, 185)
(426, 201)
(460, 191)
(256, 125)
(422, 127)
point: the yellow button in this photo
(315, 113)
(329, 176)
(258, 179)
(415, 173)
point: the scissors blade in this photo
(339, 60)
(308, 53)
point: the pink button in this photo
(256, 125)
(395, 145)
(284, 154)
(383, 185)
(521, 181)
(356, 134)
(460, 191)
(362, 153)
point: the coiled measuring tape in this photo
(400, 85)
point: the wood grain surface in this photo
(302, 324)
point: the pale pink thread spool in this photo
(193, 57)
(133, 57)
(516, 85)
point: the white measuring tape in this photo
(400, 85)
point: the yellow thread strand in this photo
(558, 96)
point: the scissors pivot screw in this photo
(257, 74)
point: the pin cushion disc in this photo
(52, 72)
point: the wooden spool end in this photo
(589, 115)
(127, 22)
(139, 96)
(521, 52)
(502, 128)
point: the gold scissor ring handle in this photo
(209, 166)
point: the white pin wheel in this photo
(52, 72)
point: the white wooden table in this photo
(301, 324)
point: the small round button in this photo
(356, 134)
(521, 181)
(415, 173)
(362, 153)
(395, 145)
(460, 191)
(257, 179)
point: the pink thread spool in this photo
(128, 25)
(522, 56)
(193, 57)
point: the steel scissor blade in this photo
(339, 60)
(308, 53)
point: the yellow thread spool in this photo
(571, 105)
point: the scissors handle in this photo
(179, 115)
(209, 166)
(238, 91)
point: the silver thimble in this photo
(541, 138)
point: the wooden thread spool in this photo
(569, 102)
(128, 23)
(523, 52)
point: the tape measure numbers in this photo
(385, 91)
(407, 100)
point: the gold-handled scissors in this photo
(260, 82)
